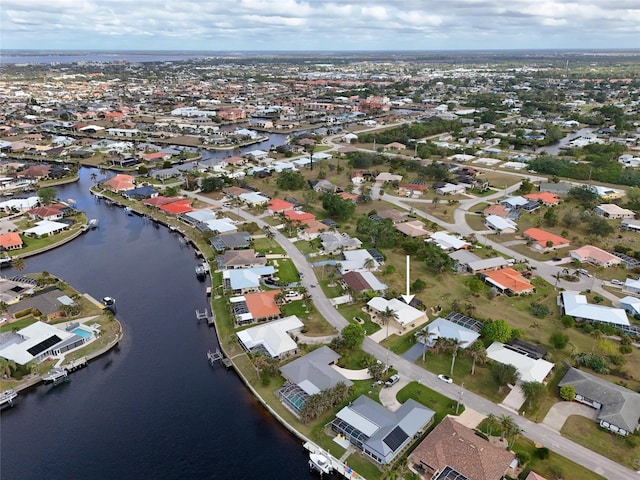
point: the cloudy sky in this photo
(318, 24)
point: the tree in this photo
(337, 207)
(386, 316)
(568, 393)
(497, 331)
(47, 195)
(478, 353)
(491, 422)
(352, 336)
(504, 374)
(424, 336)
(171, 191)
(533, 391)
(550, 218)
(290, 180)
(19, 264)
(559, 340)
(598, 226)
(212, 184)
(453, 347)
(419, 285)
(379, 233)
(526, 187)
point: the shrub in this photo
(539, 310)
(568, 393)
(587, 327)
(542, 453)
(559, 340)
(626, 349)
(523, 458)
(567, 321)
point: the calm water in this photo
(154, 408)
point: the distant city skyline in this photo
(319, 25)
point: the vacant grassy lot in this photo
(587, 433)
(266, 245)
(437, 402)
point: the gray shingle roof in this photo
(620, 406)
(315, 368)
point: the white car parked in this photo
(445, 378)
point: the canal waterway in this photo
(152, 408)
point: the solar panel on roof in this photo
(42, 346)
(395, 438)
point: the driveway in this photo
(562, 410)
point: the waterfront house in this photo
(139, 193)
(37, 342)
(120, 183)
(255, 307)
(310, 375)
(11, 241)
(178, 207)
(48, 212)
(44, 228)
(230, 241)
(273, 338)
(241, 281)
(453, 451)
(618, 407)
(378, 432)
(12, 290)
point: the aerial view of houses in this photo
(375, 247)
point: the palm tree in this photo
(478, 353)
(492, 421)
(19, 264)
(369, 263)
(454, 346)
(94, 178)
(386, 316)
(424, 336)
(507, 424)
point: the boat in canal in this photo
(202, 270)
(55, 375)
(7, 397)
(109, 303)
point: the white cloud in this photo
(318, 24)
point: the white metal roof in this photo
(530, 369)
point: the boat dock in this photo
(76, 364)
(205, 316)
(337, 466)
(7, 397)
(217, 356)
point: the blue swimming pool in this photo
(82, 332)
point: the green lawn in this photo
(287, 271)
(308, 247)
(555, 466)
(349, 312)
(265, 245)
(437, 402)
(401, 343)
(587, 433)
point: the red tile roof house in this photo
(299, 218)
(508, 281)
(279, 206)
(176, 208)
(11, 241)
(546, 198)
(120, 183)
(35, 171)
(159, 201)
(262, 305)
(47, 212)
(498, 210)
(544, 241)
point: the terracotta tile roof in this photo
(10, 240)
(160, 200)
(262, 304)
(509, 279)
(300, 217)
(544, 197)
(181, 206)
(452, 444)
(348, 196)
(278, 205)
(120, 182)
(541, 237)
(314, 226)
(499, 210)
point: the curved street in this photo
(537, 432)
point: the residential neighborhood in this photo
(384, 252)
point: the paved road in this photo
(538, 433)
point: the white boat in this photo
(109, 303)
(93, 223)
(54, 375)
(319, 462)
(129, 210)
(7, 397)
(202, 270)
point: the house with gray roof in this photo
(230, 241)
(333, 242)
(377, 431)
(619, 407)
(309, 375)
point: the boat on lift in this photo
(320, 462)
(7, 397)
(109, 303)
(55, 375)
